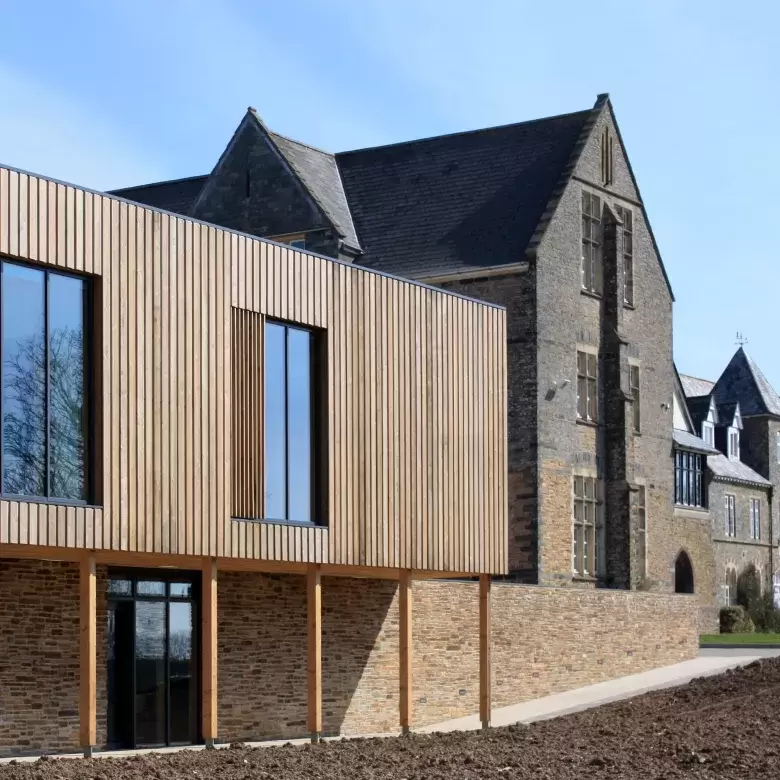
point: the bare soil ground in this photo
(725, 726)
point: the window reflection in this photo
(43, 376)
(288, 423)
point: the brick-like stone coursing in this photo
(545, 640)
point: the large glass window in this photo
(44, 413)
(289, 423)
(587, 386)
(588, 530)
(755, 518)
(688, 489)
(731, 515)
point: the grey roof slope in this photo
(457, 202)
(690, 441)
(699, 407)
(319, 173)
(743, 381)
(734, 470)
(693, 386)
(177, 195)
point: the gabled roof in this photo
(457, 202)
(699, 407)
(743, 381)
(177, 195)
(693, 386)
(729, 415)
(319, 173)
(728, 470)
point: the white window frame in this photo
(755, 519)
(627, 218)
(731, 585)
(641, 529)
(733, 443)
(591, 243)
(587, 526)
(634, 383)
(777, 446)
(731, 515)
(708, 433)
(587, 385)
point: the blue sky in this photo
(107, 94)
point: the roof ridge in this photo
(474, 131)
(700, 378)
(161, 183)
(301, 143)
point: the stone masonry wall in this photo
(39, 656)
(544, 640)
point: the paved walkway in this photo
(710, 661)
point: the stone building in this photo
(545, 218)
(737, 422)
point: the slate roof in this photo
(743, 381)
(699, 408)
(690, 441)
(177, 195)
(693, 386)
(457, 202)
(726, 413)
(320, 175)
(724, 468)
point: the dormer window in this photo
(708, 433)
(733, 443)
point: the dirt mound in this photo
(724, 726)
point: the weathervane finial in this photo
(741, 340)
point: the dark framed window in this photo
(45, 327)
(688, 489)
(607, 157)
(591, 242)
(293, 444)
(627, 217)
(298, 243)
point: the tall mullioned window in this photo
(731, 515)
(688, 490)
(587, 386)
(289, 424)
(591, 242)
(627, 218)
(755, 518)
(588, 531)
(44, 327)
(633, 383)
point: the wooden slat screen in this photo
(416, 389)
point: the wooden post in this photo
(314, 633)
(209, 651)
(88, 655)
(484, 650)
(405, 647)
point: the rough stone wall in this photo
(255, 191)
(516, 293)
(740, 550)
(39, 657)
(544, 640)
(568, 317)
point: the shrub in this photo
(765, 615)
(735, 620)
(748, 588)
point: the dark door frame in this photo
(168, 576)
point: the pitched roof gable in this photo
(176, 195)
(743, 381)
(730, 470)
(318, 172)
(459, 202)
(693, 386)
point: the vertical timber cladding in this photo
(417, 414)
(161, 347)
(416, 392)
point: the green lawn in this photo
(739, 639)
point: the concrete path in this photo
(709, 662)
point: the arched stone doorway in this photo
(683, 573)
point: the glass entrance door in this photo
(152, 662)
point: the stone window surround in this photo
(634, 388)
(590, 569)
(731, 584)
(641, 526)
(591, 404)
(627, 218)
(688, 464)
(591, 242)
(755, 519)
(730, 528)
